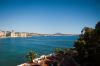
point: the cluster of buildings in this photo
(18, 34)
(12, 34)
(4, 34)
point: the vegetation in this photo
(88, 46)
(65, 57)
(59, 55)
(31, 55)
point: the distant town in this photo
(4, 34)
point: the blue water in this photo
(13, 50)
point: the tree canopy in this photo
(88, 46)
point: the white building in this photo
(18, 34)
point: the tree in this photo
(97, 43)
(31, 55)
(88, 45)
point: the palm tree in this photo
(31, 55)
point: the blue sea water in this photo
(13, 50)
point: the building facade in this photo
(2, 34)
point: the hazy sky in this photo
(48, 16)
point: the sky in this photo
(49, 16)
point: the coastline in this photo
(14, 37)
(37, 35)
(37, 61)
(52, 59)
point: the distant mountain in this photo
(60, 34)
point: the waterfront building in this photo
(18, 34)
(13, 34)
(2, 34)
(23, 34)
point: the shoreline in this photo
(14, 37)
(37, 61)
(38, 35)
(52, 59)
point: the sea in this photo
(13, 51)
